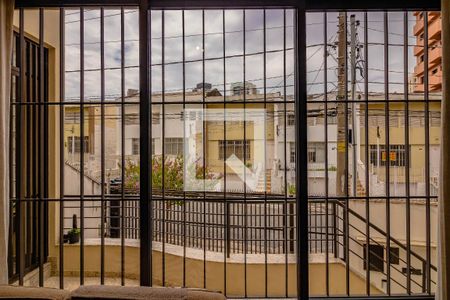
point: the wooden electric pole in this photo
(341, 163)
(353, 94)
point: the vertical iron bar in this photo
(225, 204)
(12, 140)
(122, 142)
(41, 155)
(388, 153)
(102, 145)
(20, 251)
(325, 97)
(301, 169)
(184, 139)
(264, 164)
(163, 143)
(145, 113)
(427, 155)
(204, 148)
(28, 152)
(346, 184)
(366, 141)
(82, 146)
(285, 209)
(245, 152)
(61, 144)
(407, 152)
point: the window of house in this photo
(291, 120)
(156, 118)
(316, 152)
(74, 145)
(132, 119)
(417, 120)
(292, 152)
(376, 258)
(332, 120)
(173, 146)
(397, 155)
(412, 271)
(135, 146)
(235, 147)
(376, 120)
(435, 119)
(71, 117)
(393, 120)
(394, 258)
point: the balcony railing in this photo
(257, 225)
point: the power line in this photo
(106, 16)
(197, 60)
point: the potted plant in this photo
(291, 190)
(74, 235)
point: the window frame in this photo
(301, 128)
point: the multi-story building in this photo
(434, 52)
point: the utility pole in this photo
(353, 89)
(341, 107)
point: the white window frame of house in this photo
(74, 146)
(316, 152)
(173, 146)
(235, 147)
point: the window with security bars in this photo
(236, 147)
(227, 60)
(379, 156)
(74, 144)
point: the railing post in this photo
(335, 236)
(227, 228)
(291, 228)
(424, 276)
(344, 234)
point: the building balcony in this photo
(419, 26)
(434, 33)
(434, 59)
(232, 252)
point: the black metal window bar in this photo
(117, 63)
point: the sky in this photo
(212, 47)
